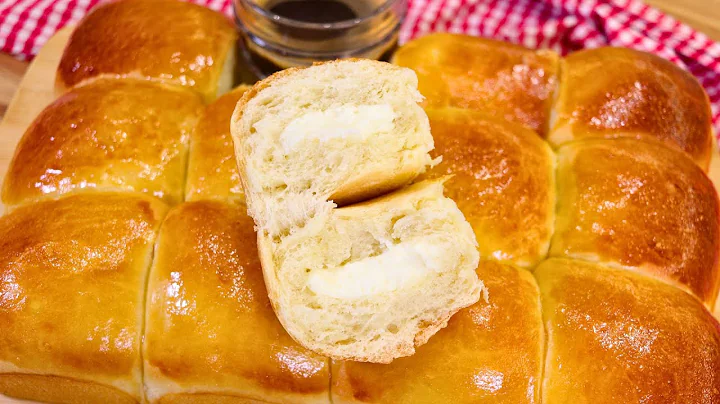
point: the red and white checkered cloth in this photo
(25, 25)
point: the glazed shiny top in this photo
(111, 134)
(502, 182)
(212, 169)
(72, 287)
(612, 92)
(209, 319)
(642, 205)
(506, 80)
(620, 337)
(171, 41)
(490, 352)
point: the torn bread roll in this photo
(369, 281)
(334, 133)
(374, 280)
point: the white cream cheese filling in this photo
(401, 266)
(356, 122)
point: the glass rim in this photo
(319, 25)
(325, 55)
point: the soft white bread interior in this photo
(339, 132)
(372, 281)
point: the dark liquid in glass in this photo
(308, 11)
(315, 11)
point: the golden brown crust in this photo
(71, 301)
(640, 205)
(502, 79)
(207, 399)
(616, 92)
(210, 327)
(500, 170)
(490, 352)
(212, 169)
(53, 389)
(620, 337)
(170, 41)
(109, 135)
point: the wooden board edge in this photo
(35, 92)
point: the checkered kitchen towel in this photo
(563, 25)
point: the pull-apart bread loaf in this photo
(599, 250)
(367, 281)
(168, 41)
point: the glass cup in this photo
(277, 34)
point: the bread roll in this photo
(498, 78)
(168, 41)
(128, 135)
(615, 336)
(500, 170)
(617, 92)
(334, 133)
(212, 169)
(490, 352)
(73, 276)
(374, 280)
(639, 205)
(211, 335)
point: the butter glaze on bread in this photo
(499, 170)
(211, 334)
(615, 336)
(168, 41)
(508, 81)
(212, 169)
(128, 135)
(639, 205)
(490, 352)
(617, 92)
(72, 294)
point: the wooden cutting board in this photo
(36, 91)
